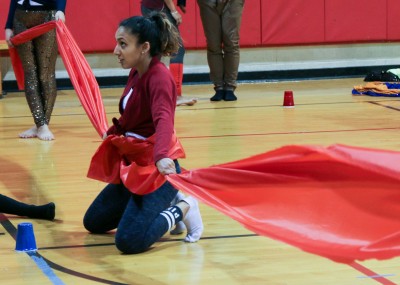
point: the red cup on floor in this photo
(288, 101)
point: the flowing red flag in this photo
(339, 202)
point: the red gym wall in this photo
(264, 23)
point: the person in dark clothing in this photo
(221, 23)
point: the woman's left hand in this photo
(178, 17)
(166, 166)
(60, 16)
(9, 35)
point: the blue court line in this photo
(377, 276)
(368, 273)
(42, 264)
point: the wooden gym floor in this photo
(35, 171)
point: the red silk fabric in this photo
(17, 66)
(130, 161)
(79, 71)
(339, 202)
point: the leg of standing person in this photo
(210, 14)
(33, 89)
(176, 68)
(14, 207)
(231, 20)
(46, 55)
(175, 62)
(26, 53)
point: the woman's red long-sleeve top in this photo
(150, 108)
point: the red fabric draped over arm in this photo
(79, 71)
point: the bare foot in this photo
(31, 133)
(44, 133)
(181, 101)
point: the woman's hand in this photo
(9, 35)
(178, 17)
(60, 16)
(166, 166)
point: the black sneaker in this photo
(229, 96)
(219, 95)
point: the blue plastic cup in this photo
(25, 238)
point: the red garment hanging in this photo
(79, 71)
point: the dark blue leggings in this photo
(137, 218)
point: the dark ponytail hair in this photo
(156, 29)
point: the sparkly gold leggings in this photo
(38, 61)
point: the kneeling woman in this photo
(147, 109)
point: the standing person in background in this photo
(38, 59)
(176, 61)
(146, 128)
(221, 22)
